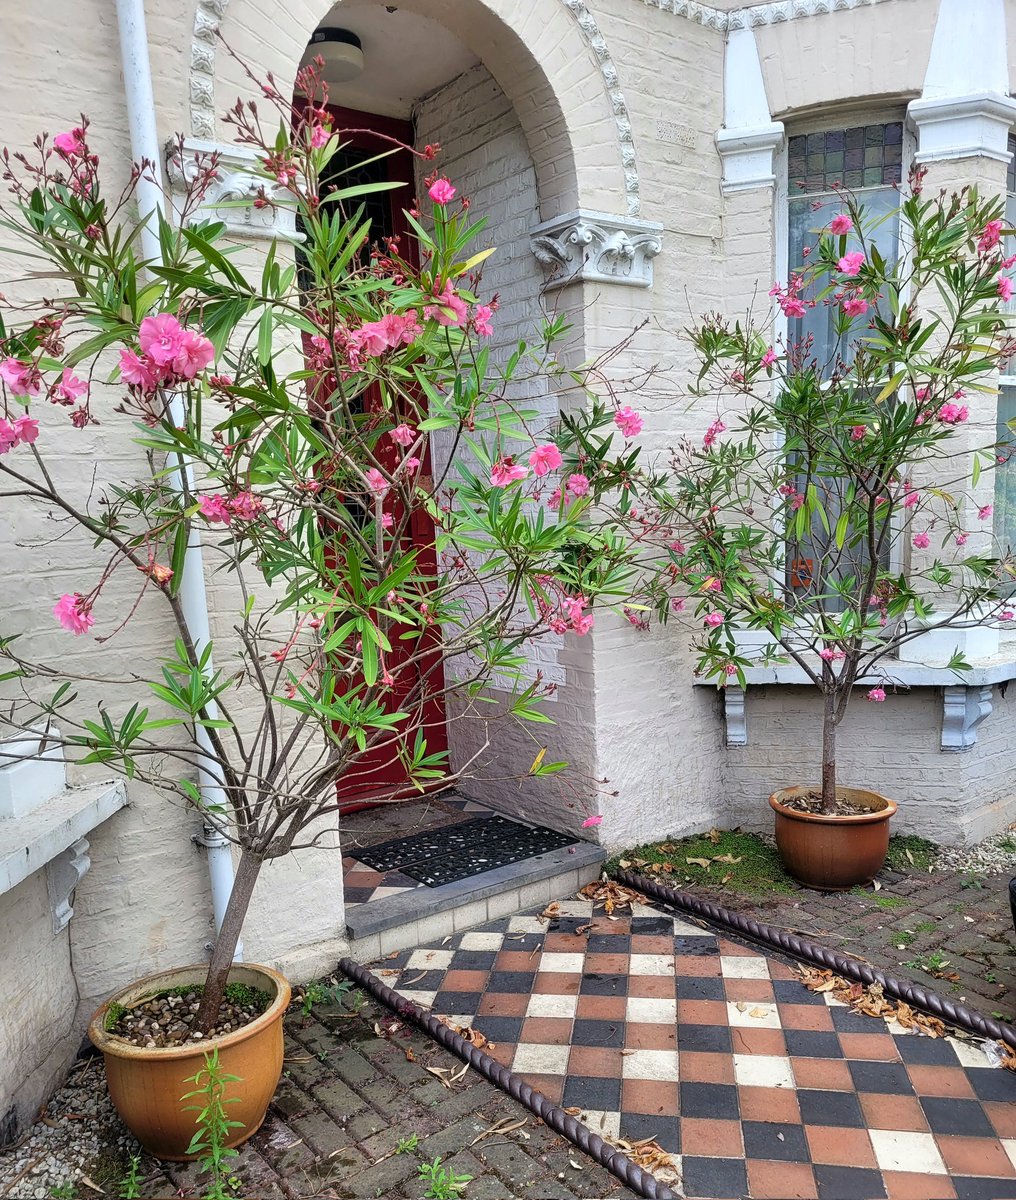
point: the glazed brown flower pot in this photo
(833, 853)
(147, 1085)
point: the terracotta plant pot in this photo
(146, 1085)
(834, 853)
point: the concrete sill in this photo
(32, 842)
(906, 674)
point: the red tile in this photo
(754, 990)
(699, 1067)
(552, 1086)
(645, 943)
(727, 948)
(871, 1046)
(1002, 1116)
(601, 1008)
(778, 970)
(595, 1061)
(503, 1004)
(504, 1052)
(911, 1185)
(649, 1035)
(516, 960)
(650, 1096)
(652, 986)
(702, 1012)
(940, 1081)
(769, 1104)
(975, 1156)
(546, 1031)
(832, 1145)
(710, 1138)
(557, 983)
(606, 964)
(561, 943)
(757, 1041)
(805, 1016)
(464, 981)
(701, 966)
(781, 1180)
(893, 1112)
(831, 1074)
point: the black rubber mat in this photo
(460, 851)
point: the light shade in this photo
(341, 51)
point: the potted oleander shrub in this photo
(284, 416)
(838, 510)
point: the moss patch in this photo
(728, 859)
(909, 853)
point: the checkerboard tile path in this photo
(650, 1026)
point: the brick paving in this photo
(349, 1095)
(648, 1026)
(963, 916)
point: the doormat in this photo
(461, 851)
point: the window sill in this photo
(53, 836)
(966, 698)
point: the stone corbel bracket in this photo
(236, 179)
(593, 247)
(63, 874)
(963, 709)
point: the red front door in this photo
(380, 771)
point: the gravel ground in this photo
(994, 856)
(78, 1137)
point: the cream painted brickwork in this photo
(534, 133)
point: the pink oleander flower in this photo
(850, 264)
(857, 433)
(590, 821)
(25, 430)
(195, 352)
(730, 668)
(953, 414)
(70, 388)
(400, 329)
(962, 538)
(768, 358)
(991, 235)
(984, 513)
(629, 422)
(713, 619)
(481, 320)
(1006, 614)
(921, 541)
(370, 339)
(677, 604)
(582, 625)
(74, 613)
(161, 338)
(448, 308)
(854, 306)
(577, 484)
(402, 435)
(506, 471)
(441, 191)
(411, 463)
(215, 509)
(22, 380)
(711, 434)
(792, 306)
(840, 224)
(827, 653)
(377, 482)
(70, 144)
(387, 520)
(8, 438)
(246, 506)
(876, 695)
(545, 459)
(1004, 288)
(556, 497)
(711, 584)
(796, 501)
(319, 135)
(911, 499)
(138, 371)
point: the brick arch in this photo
(552, 63)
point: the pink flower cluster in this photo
(829, 654)
(575, 486)
(393, 330)
(990, 237)
(840, 224)
(22, 430)
(714, 430)
(629, 422)
(876, 695)
(169, 354)
(545, 459)
(568, 613)
(74, 612)
(245, 506)
(953, 414)
(21, 379)
(448, 308)
(790, 299)
(507, 471)
(850, 264)
(441, 191)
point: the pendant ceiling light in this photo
(341, 51)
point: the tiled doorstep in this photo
(416, 917)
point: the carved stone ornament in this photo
(963, 709)
(63, 874)
(236, 179)
(594, 247)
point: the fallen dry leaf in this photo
(1007, 1055)
(727, 858)
(651, 1156)
(610, 895)
(552, 912)
(758, 1012)
(704, 863)
(870, 1001)
(505, 1125)
(714, 836)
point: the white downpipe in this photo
(137, 75)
